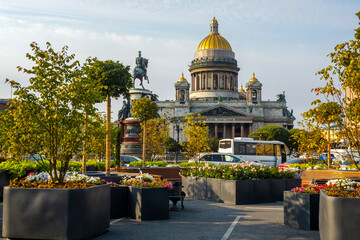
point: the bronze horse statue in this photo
(140, 71)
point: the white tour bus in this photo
(270, 153)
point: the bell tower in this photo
(253, 90)
(182, 90)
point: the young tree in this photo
(144, 109)
(325, 114)
(310, 139)
(157, 134)
(344, 75)
(115, 80)
(197, 136)
(46, 117)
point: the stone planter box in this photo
(292, 183)
(339, 217)
(237, 191)
(195, 187)
(277, 186)
(148, 203)
(119, 206)
(55, 213)
(301, 210)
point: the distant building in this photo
(214, 92)
(4, 104)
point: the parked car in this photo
(126, 160)
(295, 160)
(324, 156)
(218, 158)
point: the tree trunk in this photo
(84, 146)
(144, 145)
(108, 135)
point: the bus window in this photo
(260, 149)
(239, 149)
(278, 152)
(250, 149)
(269, 150)
(283, 153)
(225, 144)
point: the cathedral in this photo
(213, 91)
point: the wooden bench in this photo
(321, 176)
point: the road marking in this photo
(230, 229)
(264, 208)
(116, 220)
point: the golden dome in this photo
(214, 21)
(241, 89)
(253, 79)
(214, 39)
(182, 79)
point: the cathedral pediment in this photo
(221, 111)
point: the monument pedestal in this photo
(130, 127)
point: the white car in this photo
(219, 159)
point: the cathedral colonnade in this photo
(229, 130)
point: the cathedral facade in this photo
(214, 92)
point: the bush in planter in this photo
(18, 169)
(149, 164)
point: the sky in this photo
(284, 42)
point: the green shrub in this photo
(18, 169)
(149, 164)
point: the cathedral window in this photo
(226, 83)
(215, 85)
(222, 82)
(182, 96)
(203, 82)
(254, 94)
(209, 81)
(197, 83)
(231, 83)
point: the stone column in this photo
(224, 130)
(242, 130)
(233, 130)
(216, 130)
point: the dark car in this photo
(292, 161)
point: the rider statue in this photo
(140, 69)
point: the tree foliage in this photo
(343, 74)
(272, 132)
(47, 116)
(157, 134)
(114, 80)
(197, 136)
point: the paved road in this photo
(203, 220)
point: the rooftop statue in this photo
(140, 69)
(281, 97)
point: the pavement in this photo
(204, 220)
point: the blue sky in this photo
(285, 42)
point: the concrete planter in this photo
(292, 183)
(301, 210)
(148, 203)
(36, 213)
(277, 187)
(119, 202)
(195, 187)
(339, 217)
(234, 191)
